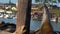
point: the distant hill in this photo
(1, 3)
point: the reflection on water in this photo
(8, 20)
(35, 24)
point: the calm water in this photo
(35, 24)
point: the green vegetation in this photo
(59, 0)
(45, 1)
(57, 11)
(9, 9)
(12, 4)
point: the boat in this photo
(6, 16)
(1, 15)
(54, 20)
(35, 18)
(10, 17)
(59, 20)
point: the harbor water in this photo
(34, 24)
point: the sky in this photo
(13, 1)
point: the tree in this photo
(37, 1)
(41, 2)
(23, 17)
(59, 0)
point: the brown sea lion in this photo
(46, 27)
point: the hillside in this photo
(57, 11)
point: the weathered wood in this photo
(23, 17)
(1, 22)
(5, 32)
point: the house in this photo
(14, 8)
(4, 5)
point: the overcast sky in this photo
(13, 1)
